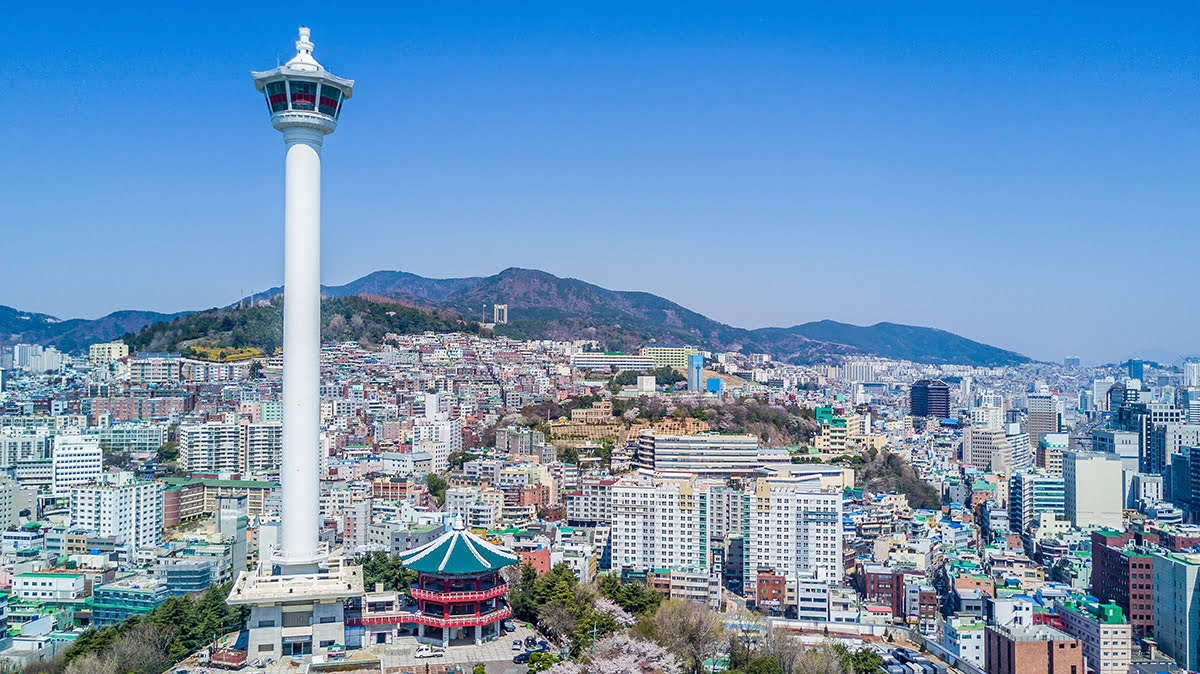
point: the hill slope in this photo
(544, 306)
(541, 306)
(71, 335)
(260, 327)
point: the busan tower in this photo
(305, 101)
(296, 596)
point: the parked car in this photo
(429, 652)
(516, 644)
(530, 642)
(521, 658)
(507, 625)
(543, 646)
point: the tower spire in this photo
(303, 60)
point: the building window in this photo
(276, 96)
(304, 95)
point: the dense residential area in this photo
(948, 517)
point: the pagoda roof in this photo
(458, 551)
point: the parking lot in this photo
(399, 657)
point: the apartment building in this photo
(669, 355)
(591, 504)
(210, 448)
(670, 522)
(129, 510)
(1103, 631)
(150, 369)
(437, 433)
(76, 460)
(795, 530)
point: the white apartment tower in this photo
(672, 522)
(75, 461)
(209, 448)
(437, 433)
(127, 509)
(796, 529)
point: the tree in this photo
(168, 451)
(624, 654)
(557, 619)
(381, 567)
(540, 661)
(479, 668)
(457, 459)
(437, 487)
(691, 631)
(785, 648)
(822, 659)
(632, 596)
(763, 664)
(860, 661)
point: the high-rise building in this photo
(669, 355)
(210, 448)
(1191, 373)
(500, 314)
(232, 521)
(988, 450)
(1050, 452)
(129, 510)
(76, 460)
(1123, 444)
(1031, 493)
(929, 398)
(150, 369)
(261, 447)
(795, 531)
(437, 433)
(695, 372)
(1136, 369)
(1176, 590)
(858, 371)
(1120, 569)
(667, 522)
(1093, 489)
(1043, 416)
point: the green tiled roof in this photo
(457, 551)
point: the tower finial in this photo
(303, 60)
(304, 45)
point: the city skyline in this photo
(985, 157)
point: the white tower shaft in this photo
(301, 346)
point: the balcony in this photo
(396, 617)
(448, 597)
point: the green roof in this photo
(457, 551)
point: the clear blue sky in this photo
(1025, 177)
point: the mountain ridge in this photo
(545, 306)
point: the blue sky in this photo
(1024, 176)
